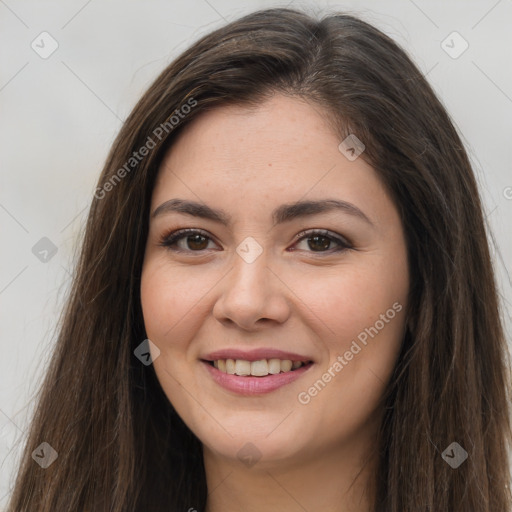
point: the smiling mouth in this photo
(260, 368)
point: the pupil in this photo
(195, 240)
(326, 243)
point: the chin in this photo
(268, 445)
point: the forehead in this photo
(273, 131)
(282, 151)
(287, 137)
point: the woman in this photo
(284, 299)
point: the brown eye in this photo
(320, 241)
(196, 242)
(187, 240)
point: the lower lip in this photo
(255, 385)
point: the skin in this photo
(296, 296)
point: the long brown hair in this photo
(120, 444)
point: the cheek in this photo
(167, 298)
(159, 304)
(362, 318)
(360, 312)
(349, 300)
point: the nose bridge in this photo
(250, 267)
(250, 250)
(251, 291)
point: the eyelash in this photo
(168, 239)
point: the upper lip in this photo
(254, 355)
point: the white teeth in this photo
(274, 366)
(259, 368)
(286, 365)
(242, 367)
(230, 366)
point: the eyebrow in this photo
(283, 213)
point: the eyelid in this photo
(344, 241)
(169, 237)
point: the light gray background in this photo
(60, 115)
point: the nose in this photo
(252, 296)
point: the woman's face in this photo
(251, 287)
